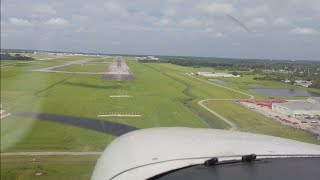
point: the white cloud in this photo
(257, 22)
(57, 22)
(115, 43)
(208, 29)
(303, 31)
(81, 30)
(215, 8)
(261, 10)
(218, 35)
(115, 9)
(169, 12)
(79, 18)
(163, 22)
(192, 22)
(44, 9)
(200, 21)
(281, 21)
(19, 22)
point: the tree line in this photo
(7, 56)
(275, 70)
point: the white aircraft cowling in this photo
(145, 153)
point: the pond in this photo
(285, 92)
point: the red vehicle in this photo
(295, 123)
(287, 121)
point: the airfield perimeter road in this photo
(233, 127)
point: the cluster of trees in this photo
(273, 77)
(149, 61)
(7, 56)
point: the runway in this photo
(118, 70)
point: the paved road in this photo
(233, 127)
(49, 153)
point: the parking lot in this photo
(311, 126)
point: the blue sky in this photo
(286, 29)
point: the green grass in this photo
(157, 97)
(247, 120)
(51, 167)
(94, 65)
(197, 90)
(159, 93)
(37, 135)
(85, 68)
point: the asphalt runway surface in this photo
(113, 128)
(118, 70)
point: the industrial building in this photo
(211, 74)
(299, 109)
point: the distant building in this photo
(210, 74)
(287, 81)
(297, 109)
(149, 58)
(189, 73)
(304, 83)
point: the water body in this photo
(220, 81)
(285, 92)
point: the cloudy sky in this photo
(285, 29)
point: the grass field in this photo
(245, 119)
(154, 95)
(161, 93)
(94, 65)
(84, 68)
(49, 167)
